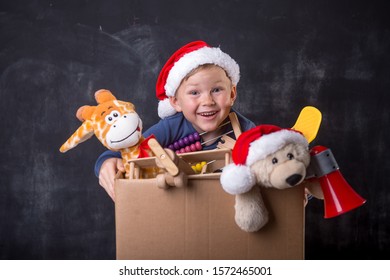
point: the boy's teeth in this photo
(208, 114)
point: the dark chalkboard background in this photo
(334, 55)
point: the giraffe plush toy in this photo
(115, 123)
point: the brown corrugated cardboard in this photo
(197, 221)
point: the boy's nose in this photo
(207, 99)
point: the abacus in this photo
(200, 167)
(192, 142)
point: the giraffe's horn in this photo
(83, 133)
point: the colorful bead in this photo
(187, 149)
(193, 148)
(196, 136)
(198, 167)
(198, 146)
(192, 142)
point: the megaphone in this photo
(339, 196)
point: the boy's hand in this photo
(107, 174)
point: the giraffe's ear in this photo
(83, 133)
(103, 96)
(85, 112)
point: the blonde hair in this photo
(203, 67)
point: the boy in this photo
(197, 88)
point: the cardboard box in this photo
(197, 221)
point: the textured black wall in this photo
(334, 55)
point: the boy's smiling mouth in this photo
(207, 114)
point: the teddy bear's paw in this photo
(252, 223)
(237, 179)
(251, 214)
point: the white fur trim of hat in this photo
(270, 143)
(190, 61)
(165, 109)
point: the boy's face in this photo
(205, 98)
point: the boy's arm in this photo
(105, 155)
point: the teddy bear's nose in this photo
(294, 179)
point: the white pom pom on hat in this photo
(251, 146)
(182, 62)
(237, 179)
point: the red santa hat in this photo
(252, 146)
(183, 61)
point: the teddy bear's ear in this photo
(85, 112)
(103, 96)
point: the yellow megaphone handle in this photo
(308, 122)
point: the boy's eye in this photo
(216, 90)
(193, 92)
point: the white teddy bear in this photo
(265, 156)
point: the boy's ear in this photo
(175, 103)
(233, 94)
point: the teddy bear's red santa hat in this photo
(252, 146)
(182, 62)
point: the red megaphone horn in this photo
(339, 196)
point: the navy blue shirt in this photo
(173, 128)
